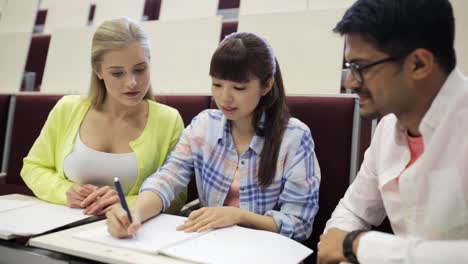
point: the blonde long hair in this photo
(110, 35)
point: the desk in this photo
(64, 242)
(15, 252)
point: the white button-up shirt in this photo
(432, 223)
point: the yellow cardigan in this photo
(43, 167)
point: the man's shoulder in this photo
(389, 123)
(458, 113)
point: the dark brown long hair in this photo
(239, 57)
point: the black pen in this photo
(123, 202)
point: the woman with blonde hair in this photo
(116, 131)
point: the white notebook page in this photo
(240, 245)
(6, 205)
(155, 234)
(38, 218)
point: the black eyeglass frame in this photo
(356, 69)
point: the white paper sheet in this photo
(154, 235)
(240, 245)
(38, 218)
(6, 205)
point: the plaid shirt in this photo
(206, 149)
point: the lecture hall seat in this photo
(228, 28)
(365, 137)
(30, 114)
(4, 104)
(37, 56)
(330, 120)
(151, 10)
(226, 4)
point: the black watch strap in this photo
(348, 246)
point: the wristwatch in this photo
(348, 246)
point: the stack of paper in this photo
(32, 216)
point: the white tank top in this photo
(88, 166)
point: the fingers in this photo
(102, 205)
(74, 197)
(87, 189)
(210, 225)
(114, 226)
(195, 214)
(107, 199)
(198, 225)
(198, 221)
(104, 211)
(73, 202)
(118, 223)
(204, 225)
(191, 219)
(94, 196)
(133, 227)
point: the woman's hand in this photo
(100, 201)
(211, 218)
(118, 224)
(77, 193)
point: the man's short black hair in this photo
(397, 27)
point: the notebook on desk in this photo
(227, 245)
(22, 215)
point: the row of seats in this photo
(176, 9)
(332, 121)
(181, 53)
(38, 49)
(22, 15)
(318, 54)
(59, 14)
(151, 9)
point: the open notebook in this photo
(227, 245)
(22, 215)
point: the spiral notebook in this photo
(233, 244)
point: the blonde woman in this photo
(117, 131)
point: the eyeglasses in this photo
(356, 69)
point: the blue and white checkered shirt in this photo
(206, 149)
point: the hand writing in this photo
(118, 224)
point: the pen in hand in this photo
(123, 202)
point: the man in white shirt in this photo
(401, 61)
